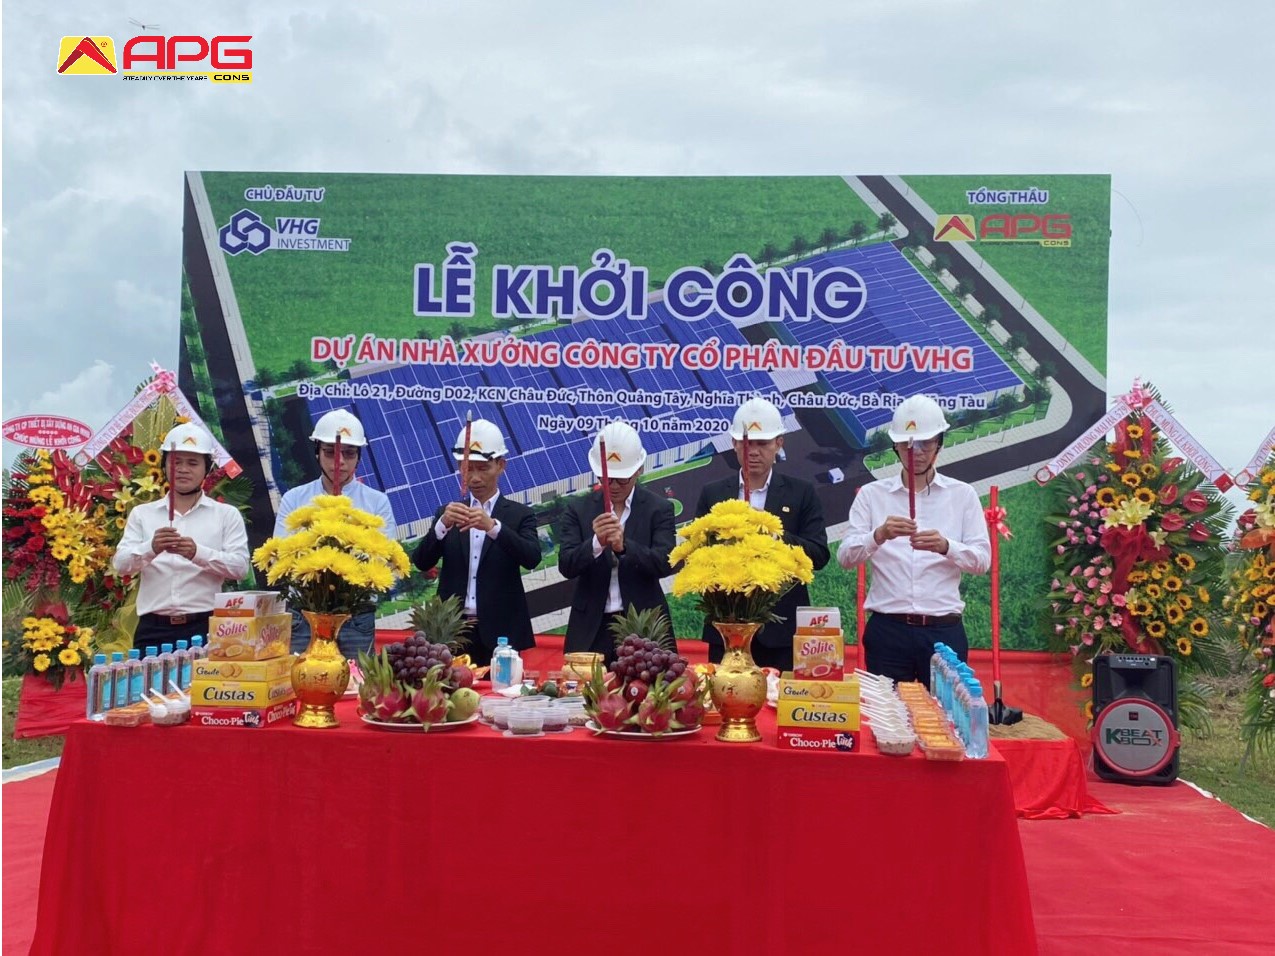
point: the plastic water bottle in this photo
(197, 650)
(504, 672)
(98, 700)
(181, 664)
(136, 680)
(118, 680)
(167, 667)
(151, 670)
(977, 746)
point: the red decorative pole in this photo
(336, 466)
(464, 457)
(999, 712)
(172, 447)
(911, 483)
(606, 480)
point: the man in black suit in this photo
(483, 543)
(616, 556)
(795, 504)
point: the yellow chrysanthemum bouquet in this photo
(736, 560)
(51, 647)
(334, 560)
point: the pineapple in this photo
(650, 625)
(442, 621)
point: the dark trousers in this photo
(902, 651)
(603, 640)
(357, 635)
(153, 630)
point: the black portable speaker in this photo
(1135, 705)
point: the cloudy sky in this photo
(1168, 98)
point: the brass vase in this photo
(738, 685)
(320, 673)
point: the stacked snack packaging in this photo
(245, 679)
(818, 707)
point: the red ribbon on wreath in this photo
(1128, 546)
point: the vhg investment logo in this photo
(151, 56)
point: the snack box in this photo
(818, 654)
(826, 691)
(819, 617)
(248, 604)
(205, 668)
(240, 694)
(818, 739)
(249, 638)
(836, 715)
(239, 717)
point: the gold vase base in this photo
(316, 717)
(739, 730)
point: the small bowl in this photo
(526, 721)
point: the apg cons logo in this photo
(154, 57)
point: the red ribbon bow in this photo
(996, 521)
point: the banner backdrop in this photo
(552, 305)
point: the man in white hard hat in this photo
(183, 562)
(616, 556)
(484, 542)
(338, 427)
(792, 500)
(917, 563)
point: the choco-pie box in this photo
(818, 645)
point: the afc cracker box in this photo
(240, 694)
(818, 646)
(818, 739)
(250, 717)
(249, 638)
(205, 668)
(248, 604)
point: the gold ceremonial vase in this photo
(321, 673)
(738, 685)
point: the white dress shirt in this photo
(170, 584)
(757, 496)
(907, 581)
(623, 509)
(364, 497)
(476, 536)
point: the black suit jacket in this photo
(797, 506)
(502, 602)
(648, 539)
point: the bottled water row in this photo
(122, 682)
(954, 686)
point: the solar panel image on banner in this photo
(410, 442)
(903, 308)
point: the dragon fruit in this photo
(612, 712)
(429, 701)
(381, 697)
(689, 717)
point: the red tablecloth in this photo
(1048, 777)
(353, 840)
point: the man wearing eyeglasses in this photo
(338, 428)
(616, 555)
(917, 563)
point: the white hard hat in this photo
(188, 437)
(759, 419)
(485, 441)
(918, 417)
(342, 423)
(625, 454)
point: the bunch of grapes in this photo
(412, 659)
(640, 659)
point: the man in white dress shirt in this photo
(917, 563)
(359, 632)
(184, 561)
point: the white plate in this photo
(640, 734)
(418, 728)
